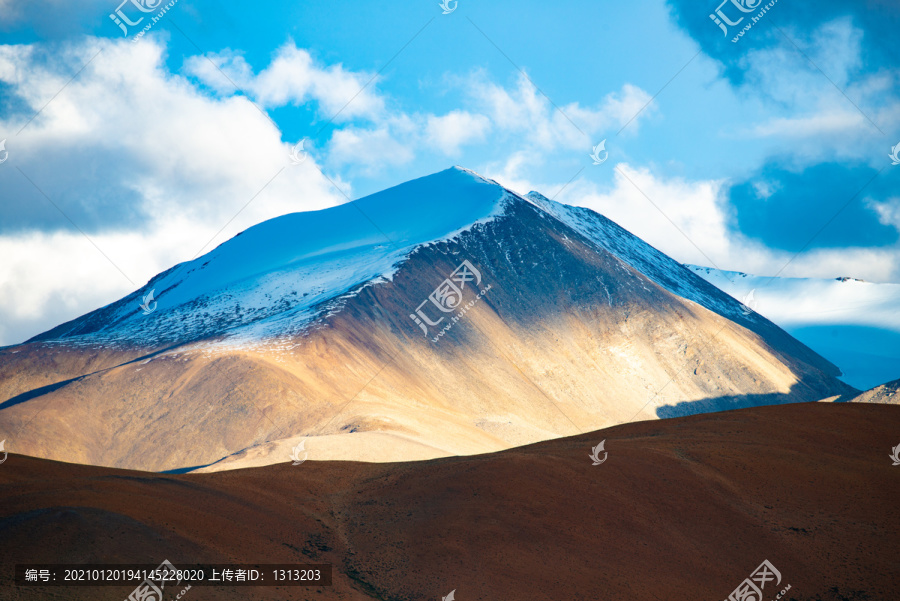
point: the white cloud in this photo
(615, 111)
(823, 107)
(184, 162)
(523, 110)
(688, 221)
(390, 143)
(293, 77)
(47, 279)
(455, 129)
(519, 117)
(825, 124)
(888, 211)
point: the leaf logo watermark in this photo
(446, 5)
(749, 303)
(449, 597)
(595, 453)
(145, 6)
(720, 19)
(5, 153)
(147, 301)
(5, 454)
(297, 154)
(895, 457)
(893, 156)
(595, 155)
(296, 451)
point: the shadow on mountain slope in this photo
(741, 401)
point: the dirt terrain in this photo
(684, 508)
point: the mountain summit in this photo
(447, 315)
(275, 277)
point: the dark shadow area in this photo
(36, 392)
(741, 401)
(185, 470)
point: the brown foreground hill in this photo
(684, 508)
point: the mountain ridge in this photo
(564, 335)
(676, 278)
(339, 231)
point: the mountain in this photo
(447, 315)
(854, 324)
(886, 394)
(680, 509)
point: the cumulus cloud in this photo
(171, 147)
(49, 278)
(368, 137)
(292, 78)
(822, 102)
(144, 162)
(451, 131)
(389, 143)
(525, 111)
(888, 211)
(517, 117)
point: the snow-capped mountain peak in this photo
(275, 278)
(276, 275)
(295, 316)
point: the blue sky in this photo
(738, 154)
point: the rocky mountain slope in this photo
(854, 324)
(444, 316)
(888, 393)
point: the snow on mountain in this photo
(275, 277)
(854, 324)
(580, 325)
(273, 280)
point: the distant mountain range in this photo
(854, 324)
(447, 315)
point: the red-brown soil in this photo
(683, 508)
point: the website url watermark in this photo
(143, 6)
(448, 298)
(744, 8)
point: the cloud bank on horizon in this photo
(767, 155)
